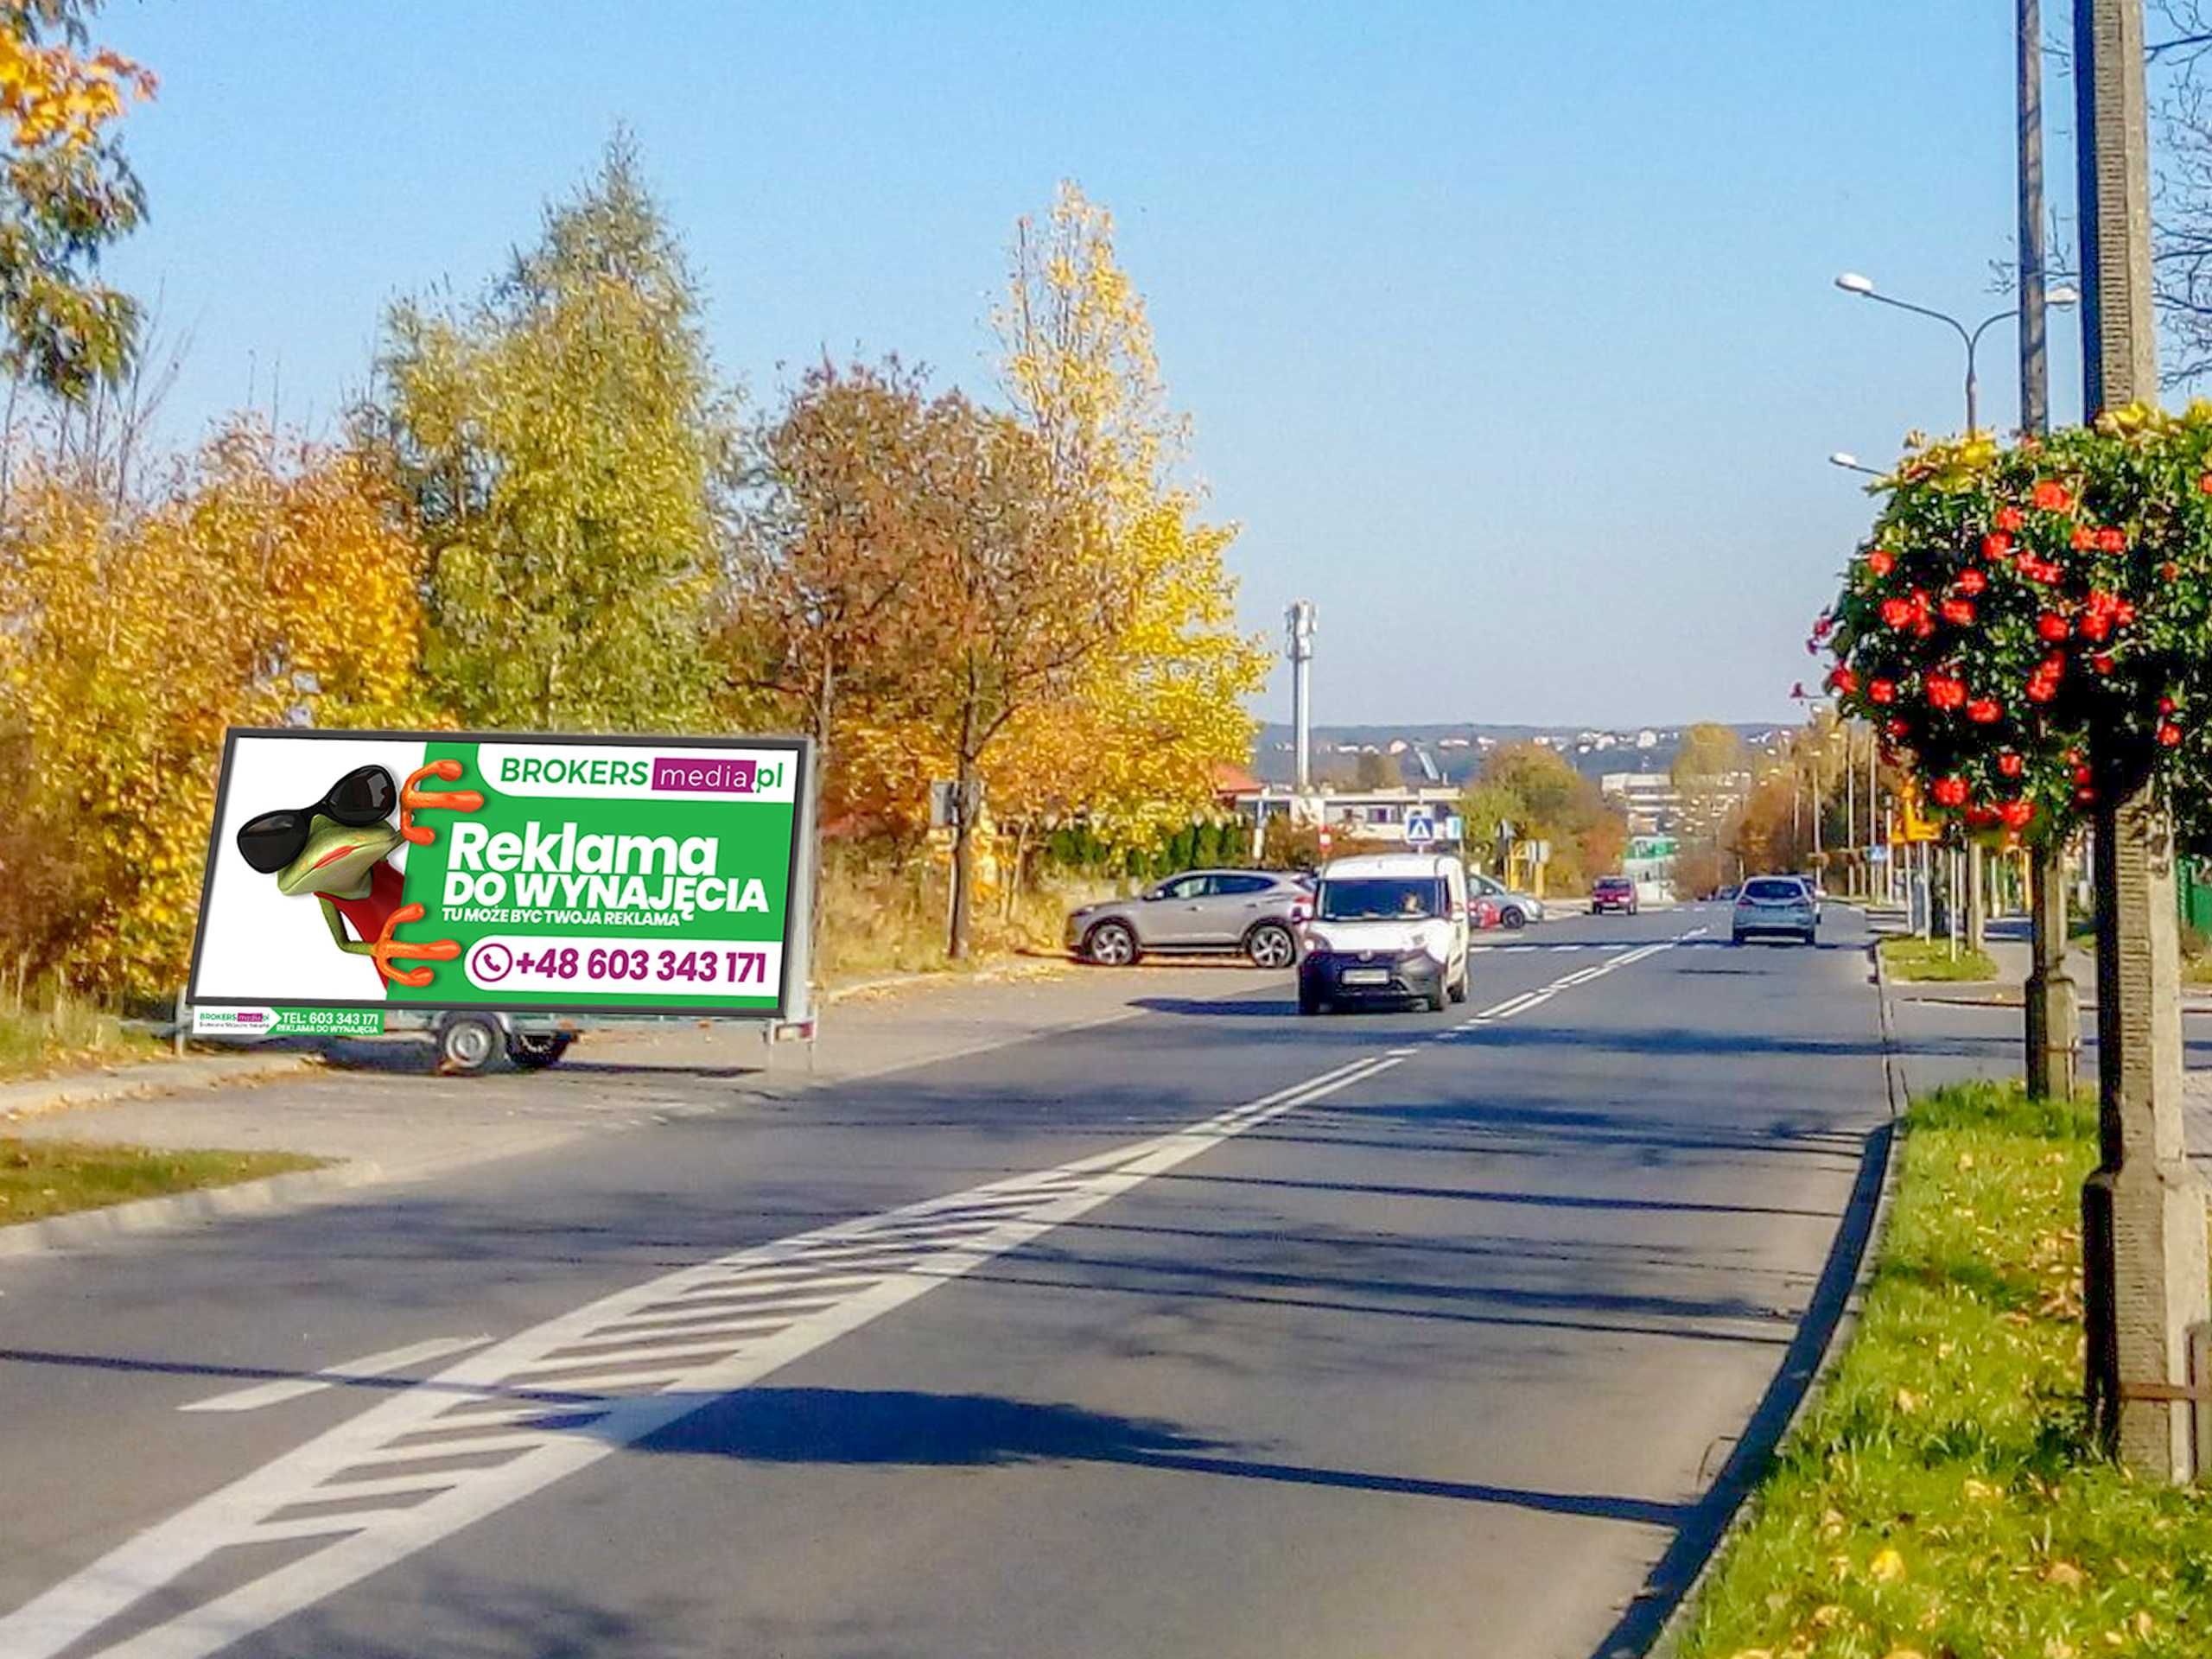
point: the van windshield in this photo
(1380, 899)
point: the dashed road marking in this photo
(368, 1367)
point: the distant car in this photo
(1727, 895)
(1255, 913)
(1612, 892)
(1775, 904)
(1515, 910)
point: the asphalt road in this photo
(1212, 1332)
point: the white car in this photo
(1515, 910)
(1388, 927)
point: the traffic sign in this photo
(1421, 830)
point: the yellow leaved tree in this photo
(65, 192)
(1134, 747)
(268, 583)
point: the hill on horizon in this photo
(1457, 747)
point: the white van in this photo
(1386, 927)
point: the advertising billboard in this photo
(351, 873)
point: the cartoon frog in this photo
(339, 848)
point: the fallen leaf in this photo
(2063, 1572)
(1886, 1566)
(1980, 1492)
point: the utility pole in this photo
(1298, 626)
(2145, 1277)
(2053, 1006)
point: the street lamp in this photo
(1850, 463)
(1852, 283)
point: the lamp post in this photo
(1850, 463)
(1852, 283)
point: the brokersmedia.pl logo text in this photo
(734, 776)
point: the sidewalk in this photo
(380, 1103)
(2007, 945)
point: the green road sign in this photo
(435, 870)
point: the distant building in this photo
(1356, 813)
(1649, 798)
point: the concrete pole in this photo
(2053, 1006)
(2143, 1210)
(1977, 896)
(1850, 809)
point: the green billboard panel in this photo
(439, 870)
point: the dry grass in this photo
(878, 921)
(66, 1034)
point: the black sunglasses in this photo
(363, 797)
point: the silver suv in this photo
(1199, 912)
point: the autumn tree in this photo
(1012, 603)
(1710, 774)
(1490, 810)
(1557, 805)
(269, 582)
(1374, 770)
(561, 443)
(1134, 740)
(826, 555)
(68, 193)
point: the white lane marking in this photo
(1510, 1005)
(372, 1365)
(576, 1424)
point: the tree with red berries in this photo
(2030, 627)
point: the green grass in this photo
(1942, 1498)
(1930, 960)
(66, 1036)
(52, 1177)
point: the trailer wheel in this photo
(466, 1042)
(533, 1051)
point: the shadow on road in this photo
(842, 1426)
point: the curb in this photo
(1667, 1644)
(271, 1194)
(96, 1088)
(1017, 968)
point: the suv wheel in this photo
(1111, 944)
(1513, 918)
(1270, 945)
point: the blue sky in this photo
(1507, 330)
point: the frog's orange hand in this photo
(387, 947)
(412, 800)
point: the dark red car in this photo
(1612, 892)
